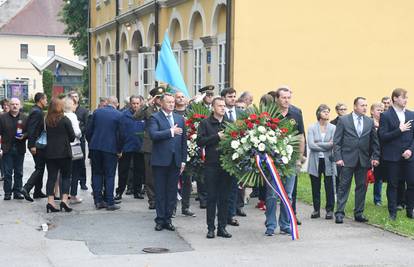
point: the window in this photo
(177, 55)
(147, 67)
(99, 79)
(221, 65)
(109, 78)
(50, 50)
(24, 50)
(197, 70)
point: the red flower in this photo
(264, 114)
(250, 125)
(273, 126)
(268, 124)
(257, 122)
(253, 116)
(242, 133)
(234, 134)
(284, 130)
(275, 120)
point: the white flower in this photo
(235, 144)
(271, 133)
(246, 147)
(262, 147)
(235, 156)
(188, 143)
(194, 137)
(261, 129)
(285, 160)
(255, 140)
(243, 140)
(188, 158)
(289, 149)
(262, 138)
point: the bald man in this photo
(13, 148)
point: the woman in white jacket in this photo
(70, 114)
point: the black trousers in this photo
(185, 191)
(149, 179)
(402, 170)
(218, 184)
(202, 191)
(401, 200)
(294, 194)
(36, 179)
(316, 188)
(53, 167)
(137, 160)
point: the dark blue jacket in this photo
(103, 132)
(393, 141)
(164, 145)
(132, 131)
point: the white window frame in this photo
(177, 54)
(197, 68)
(51, 53)
(146, 72)
(109, 77)
(221, 68)
(99, 87)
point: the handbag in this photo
(77, 153)
(41, 141)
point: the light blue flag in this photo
(168, 70)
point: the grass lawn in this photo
(377, 215)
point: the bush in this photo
(47, 79)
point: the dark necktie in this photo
(231, 117)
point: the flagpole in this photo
(156, 39)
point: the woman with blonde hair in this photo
(376, 110)
(58, 153)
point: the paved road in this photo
(88, 237)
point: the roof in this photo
(37, 18)
(41, 63)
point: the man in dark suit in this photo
(236, 196)
(144, 113)
(356, 149)
(169, 154)
(105, 147)
(35, 125)
(397, 141)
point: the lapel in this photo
(396, 121)
(366, 127)
(164, 119)
(351, 122)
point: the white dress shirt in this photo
(400, 114)
(172, 119)
(233, 113)
(355, 117)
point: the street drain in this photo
(155, 250)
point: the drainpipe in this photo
(156, 39)
(228, 43)
(89, 58)
(117, 51)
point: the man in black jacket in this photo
(13, 133)
(35, 125)
(218, 181)
(78, 166)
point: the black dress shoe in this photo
(40, 194)
(240, 212)
(329, 215)
(158, 227)
(298, 222)
(118, 197)
(117, 201)
(315, 214)
(339, 219)
(138, 196)
(101, 205)
(129, 192)
(393, 217)
(232, 222)
(84, 187)
(210, 234)
(18, 196)
(203, 205)
(151, 206)
(26, 195)
(188, 212)
(113, 207)
(361, 219)
(223, 233)
(7, 197)
(169, 227)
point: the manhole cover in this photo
(155, 250)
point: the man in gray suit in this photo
(356, 149)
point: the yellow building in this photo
(325, 51)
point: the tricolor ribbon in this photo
(279, 190)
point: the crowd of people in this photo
(146, 141)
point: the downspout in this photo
(156, 39)
(228, 43)
(117, 51)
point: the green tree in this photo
(47, 79)
(74, 15)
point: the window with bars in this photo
(109, 78)
(221, 65)
(99, 79)
(197, 70)
(24, 51)
(147, 68)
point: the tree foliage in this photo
(47, 79)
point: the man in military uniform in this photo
(144, 113)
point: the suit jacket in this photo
(164, 146)
(351, 148)
(8, 132)
(145, 114)
(239, 114)
(318, 144)
(103, 132)
(58, 140)
(393, 141)
(35, 125)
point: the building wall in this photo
(189, 21)
(12, 67)
(326, 51)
